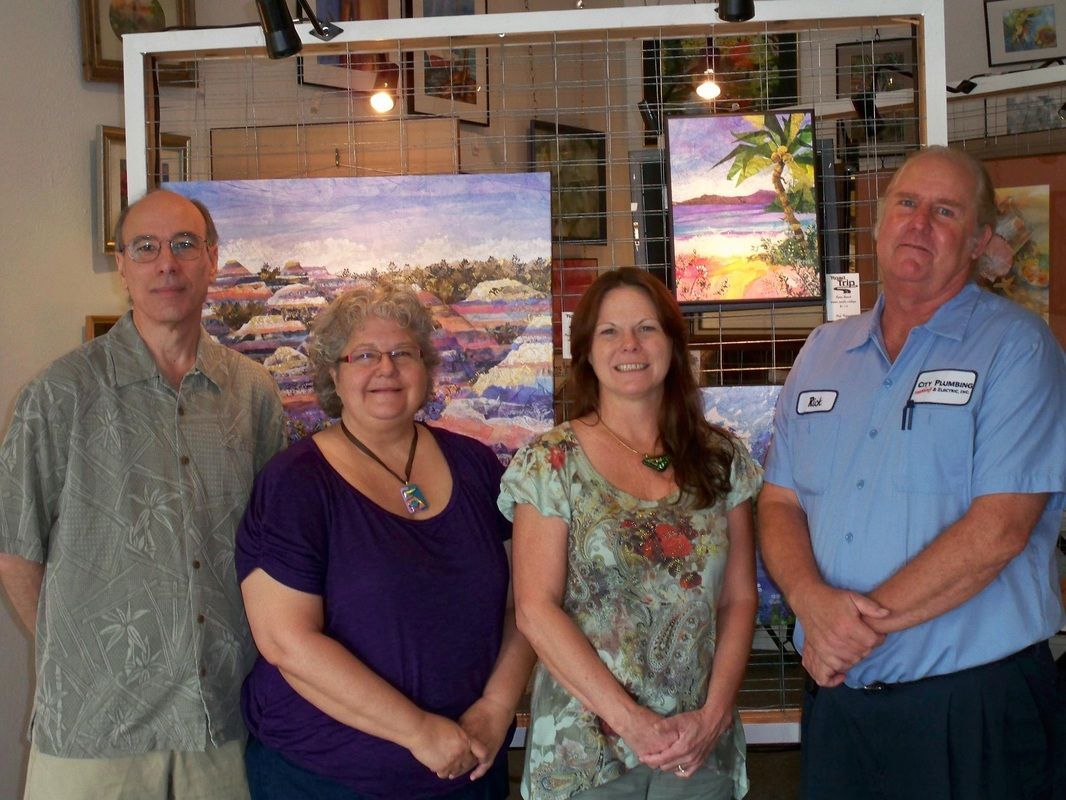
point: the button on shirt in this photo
(896, 459)
(130, 491)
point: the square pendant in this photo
(413, 499)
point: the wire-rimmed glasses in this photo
(144, 249)
(400, 356)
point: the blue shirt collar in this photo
(949, 321)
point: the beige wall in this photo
(50, 270)
(50, 274)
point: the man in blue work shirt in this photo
(913, 496)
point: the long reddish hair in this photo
(700, 453)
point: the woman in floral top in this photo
(634, 572)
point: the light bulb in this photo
(381, 101)
(708, 89)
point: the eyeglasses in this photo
(184, 246)
(401, 357)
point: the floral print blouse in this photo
(643, 582)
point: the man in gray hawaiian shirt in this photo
(123, 475)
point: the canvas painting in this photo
(476, 249)
(1016, 263)
(742, 204)
(748, 413)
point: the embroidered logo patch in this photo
(817, 402)
(946, 387)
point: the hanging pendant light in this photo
(708, 88)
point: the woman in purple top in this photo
(374, 567)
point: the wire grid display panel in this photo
(1018, 123)
(588, 108)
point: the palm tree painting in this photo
(743, 207)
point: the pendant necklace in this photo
(658, 463)
(413, 499)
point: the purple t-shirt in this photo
(420, 602)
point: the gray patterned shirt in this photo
(130, 492)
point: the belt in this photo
(882, 686)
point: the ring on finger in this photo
(680, 769)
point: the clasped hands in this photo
(678, 744)
(451, 749)
(838, 631)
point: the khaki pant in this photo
(645, 783)
(217, 774)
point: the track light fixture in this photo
(282, 40)
(736, 10)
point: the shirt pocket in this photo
(937, 452)
(814, 443)
(238, 450)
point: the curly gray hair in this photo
(334, 325)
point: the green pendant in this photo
(657, 463)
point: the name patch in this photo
(817, 402)
(946, 387)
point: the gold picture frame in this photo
(173, 158)
(103, 22)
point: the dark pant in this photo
(271, 777)
(995, 732)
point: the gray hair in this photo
(210, 231)
(334, 325)
(984, 195)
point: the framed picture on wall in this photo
(1029, 236)
(876, 65)
(356, 72)
(577, 161)
(864, 69)
(1025, 30)
(449, 82)
(743, 208)
(103, 22)
(112, 195)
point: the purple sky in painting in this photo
(362, 223)
(697, 142)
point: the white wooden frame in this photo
(138, 48)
